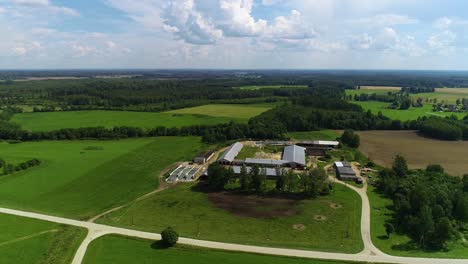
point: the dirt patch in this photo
(299, 227)
(382, 146)
(254, 206)
(265, 155)
(320, 218)
(336, 205)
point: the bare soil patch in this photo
(336, 205)
(299, 227)
(382, 146)
(254, 206)
(320, 218)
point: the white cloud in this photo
(32, 6)
(362, 41)
(110, 44)
(385, 20)
(25, 48)
(237, 20)
(80, 50)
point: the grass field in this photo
(258, 87)
(400, 244)
(28, 241)
(314, 135)
(75, 119)
(411, 114)
(193, 214)
(382, 146)
(226, 110)
(79, 179)
(122, 250)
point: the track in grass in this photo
(122, 250)
(192, 214)
(80, 179)
(25, 240)
(49, 121)
(226, 110)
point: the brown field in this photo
(380, 88)
(459, 91)
(254, 206)
(382, 146)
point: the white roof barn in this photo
(294, 154)
(231, 153)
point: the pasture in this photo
(258, 87)
(308, 224)
(225, 110)
(79, 179)
(314, 135)
(400, 244)
(404, 115)
(25, 240)
(49, 121)
(382, 146)
(112, 249)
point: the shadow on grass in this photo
(159, 245)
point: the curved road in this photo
(369, 254)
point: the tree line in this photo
(9, 168)
(430, 205)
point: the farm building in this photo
(317, 147)
(294, 156)
(204, 157)
(269, 172)
(266, 162)
(344, 171)
(230, 154)
(183, 173)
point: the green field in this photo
(79, 179)
(75, 119)
(258, 87)
(28, 241)
(399, 244)
(314, 135)
(226, 110)
(404, 115)
(192, 214)
(122, 250)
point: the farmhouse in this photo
(294, 156)
(345, 172)
(203, 157)
(228, 157)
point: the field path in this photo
(27, 237)
(370, 254)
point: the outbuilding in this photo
(230, 154)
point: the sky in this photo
(234, 34)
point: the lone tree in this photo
(169, 237)
(389, 229)
(400, 166)
(349, 138)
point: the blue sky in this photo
(281, 34)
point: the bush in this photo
(169, 236)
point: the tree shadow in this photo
(159, 245)
(383, 237)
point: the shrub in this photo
(169, 236)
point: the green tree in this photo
(2, 163)
(400, 166)
(8, 169)
(350, 139)
(245, 179)
(281, 181)
(218, 176)
(258, 179)
(389, 229)
(169, 237)
(443, 232)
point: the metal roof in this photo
(268, 171)
(232, 152)
(342, 164)
(328, 142)
(266, 161)
(346, 171)
(294, 154)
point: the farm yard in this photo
(382, 146)
(49, 121)
(309, 224)
(79, 179)
(25, 240)
(122, 250)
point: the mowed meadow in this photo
(25, 240)
(382, 146)
(79, 179)
(201, 115)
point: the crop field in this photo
(309, 224)
(79, 179)
(411, 114)
(112, 249)
(315, 135)
(382, 146)
(225, 110)
(400, 244)
(25, 240)
(258, 87)
(49, 121)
